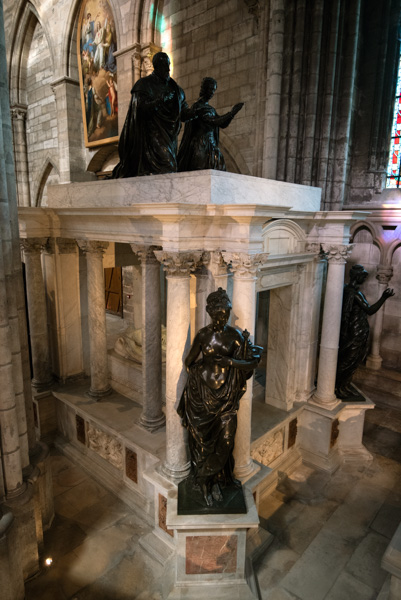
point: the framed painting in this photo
(97, 42)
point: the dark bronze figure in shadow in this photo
(354, 333)
(219, 363)
(148, 141)
(199, 148)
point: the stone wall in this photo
(41, 119)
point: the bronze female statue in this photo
(210, 401)
(354, 335)
(199, 148)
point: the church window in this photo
(394, 161)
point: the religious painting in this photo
(97, 43)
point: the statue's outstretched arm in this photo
(372, 309)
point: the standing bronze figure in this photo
(354, 333)
(148, 141)
(199, 148)
(209, 405)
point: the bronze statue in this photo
(199, 148)
(148, 141)
(354, 335)
(210, 401)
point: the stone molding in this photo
(384, 274)
(146, 254)
(33, 245)
(337, 253)
(91, 247)
(63, 81)
(245, 265)
(178, 264)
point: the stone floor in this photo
(330, 532)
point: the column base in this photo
(374, 362)
(12, 582)
(42, 386)
(245, 472)
(152, 424)
(175, 475)
(328, 404)
(99, 394)
(23, 509)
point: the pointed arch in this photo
(232, 154)
(366, 226)
(22, 36)
(48, 167)
(101, 157)
(388, 257)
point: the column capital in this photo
(245, 265)
(337, 253)
(313, 247)
(146, 253)
(33, 245)
(384, 274)
(63, 245)
(92, 247)
(201, 266)
(179, 264)
(18, 112)
(217, 265)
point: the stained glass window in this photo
(394, 159)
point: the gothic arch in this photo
(100, 157)
(47, 169)
(376, 241)
(232, 154)
(22, 39)
(391, 248)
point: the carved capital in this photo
(178, 264)
(63, 245)
(146, 254)
(384, 274)
(201, 267)
(93, 247)
(243, 264)
(33, 245)
(217, 265)
(337, 253)
(313, 247)
(18, 112)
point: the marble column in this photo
(37, 313)
(18, 116)
(330, 336)
(152, 416)
(201, 293)
(178, 266)
(374, 360)
(245, 267)
(99, 369)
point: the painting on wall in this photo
(97, 43)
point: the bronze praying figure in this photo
(148, 141)
(219, 363)
(199, 148)
(354, 334)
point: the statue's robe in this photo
(148, 141)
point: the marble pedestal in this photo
(211, 556)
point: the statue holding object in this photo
(354, 335)
(208, 409)
(199, 148)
